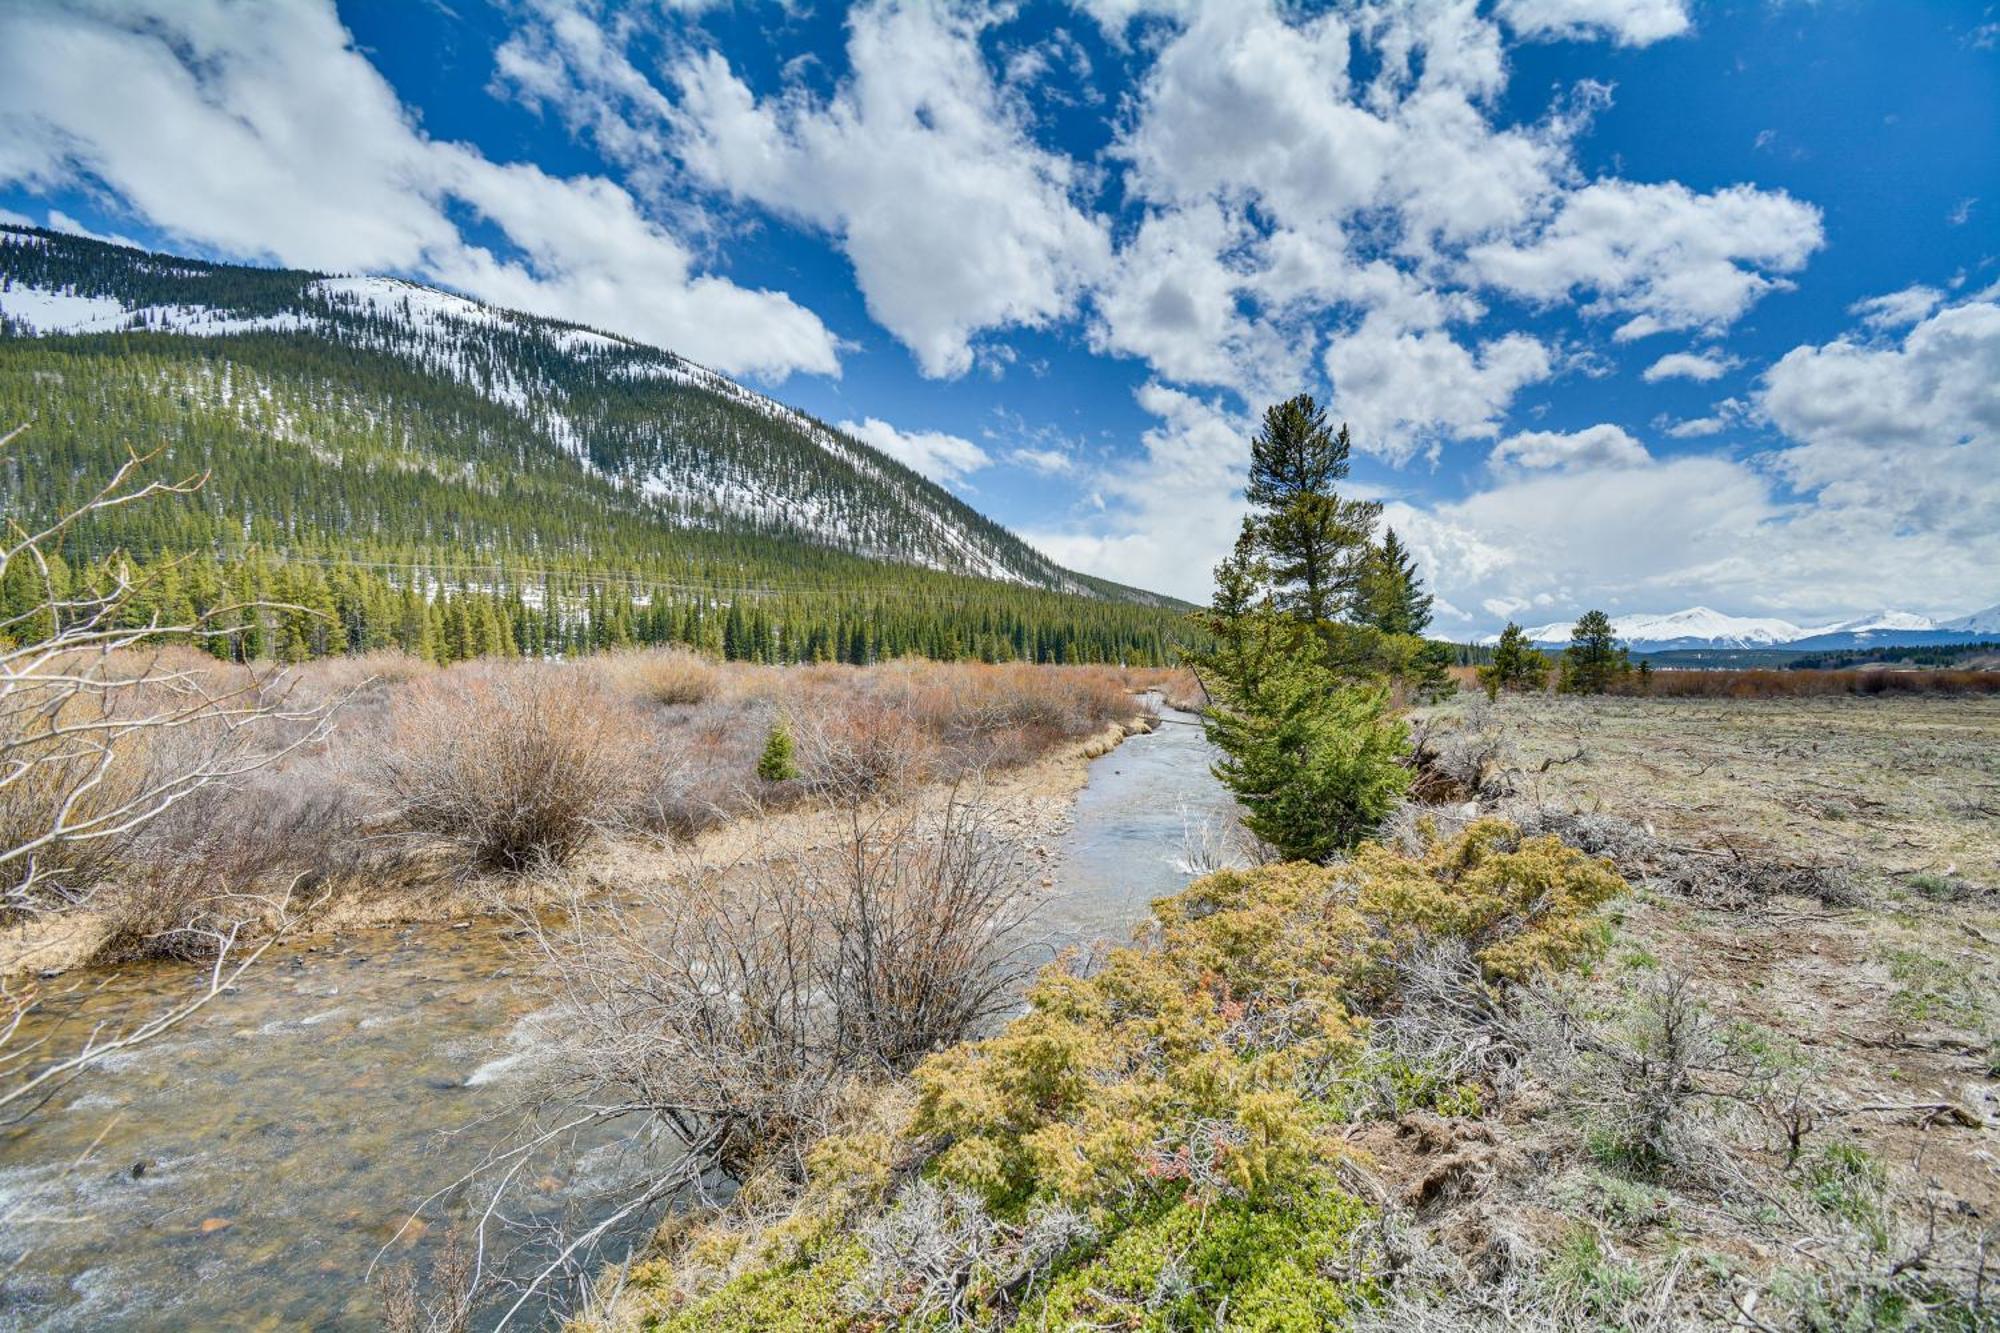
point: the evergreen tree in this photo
(777, 763)
(1315, 542)
(1516, 665)
(1393, 599)
(1316, 764)
(1593, 662)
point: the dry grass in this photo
(1774, 1107)
(1772, 684)
(515, 768)
(500, 767)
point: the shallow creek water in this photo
(285, 1133)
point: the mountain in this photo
(1985, 623)
(1700, 627)
(1696, 627)
(370, 420)
(696, 448)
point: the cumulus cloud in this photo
(1399, 389)
(1662, 254)
(937, 455)
(1701, 367)
(1166, 516)
(1907, 435)
(1884, 492)
(1598, 446)
(272, 137)
(1635, 538)
(955, 219)
(1629, 22)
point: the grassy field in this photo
(1754, 1089)
(1851, 929)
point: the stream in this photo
(243, 1170)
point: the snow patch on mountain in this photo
(1700, 627)
(1696, 625)
(1979, 622)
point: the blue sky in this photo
(1630, 303)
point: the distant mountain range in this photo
(1700, 627)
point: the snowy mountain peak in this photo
(1702, 627)
(1979, 622)
(1697, 626)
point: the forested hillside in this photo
(371, 444)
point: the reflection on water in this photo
(242, 1171)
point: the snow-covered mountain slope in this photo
(1700, 627)
(1979, 622)
(681, 442)
(1695, 627)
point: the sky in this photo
(1632, 304)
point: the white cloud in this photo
(1885, 493)
(1177, 297)
(1599, 446)
(1668, 257)
(956, 221)
(1169, 515)
(1629, 22)
(271, 136)
(1048, 462)
(941, 457)
(1702, 367)
(1907, 438)
(1895, 310)
(1400, 390)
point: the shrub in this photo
(1316, 765)
(777, 764)
(738, 1009)
(514, 766)
(1247, 1006)
(670, 677)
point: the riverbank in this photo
(283, 1136)
(390, 819)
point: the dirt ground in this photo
(1889, 987)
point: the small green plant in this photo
(1847, 1182)
(1930, 988)
(778, 764)
(1591, 1279)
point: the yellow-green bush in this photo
(1255, 996)
(1188, 1096)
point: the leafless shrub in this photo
(928, 1254)
(1444, 1017)
(517, 766)
(669, 677)
(104, 728)
(1715, 877)
(444, 1304)
(1460, 755)
(735, 1003)
(729, 1013)
(854, 747)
